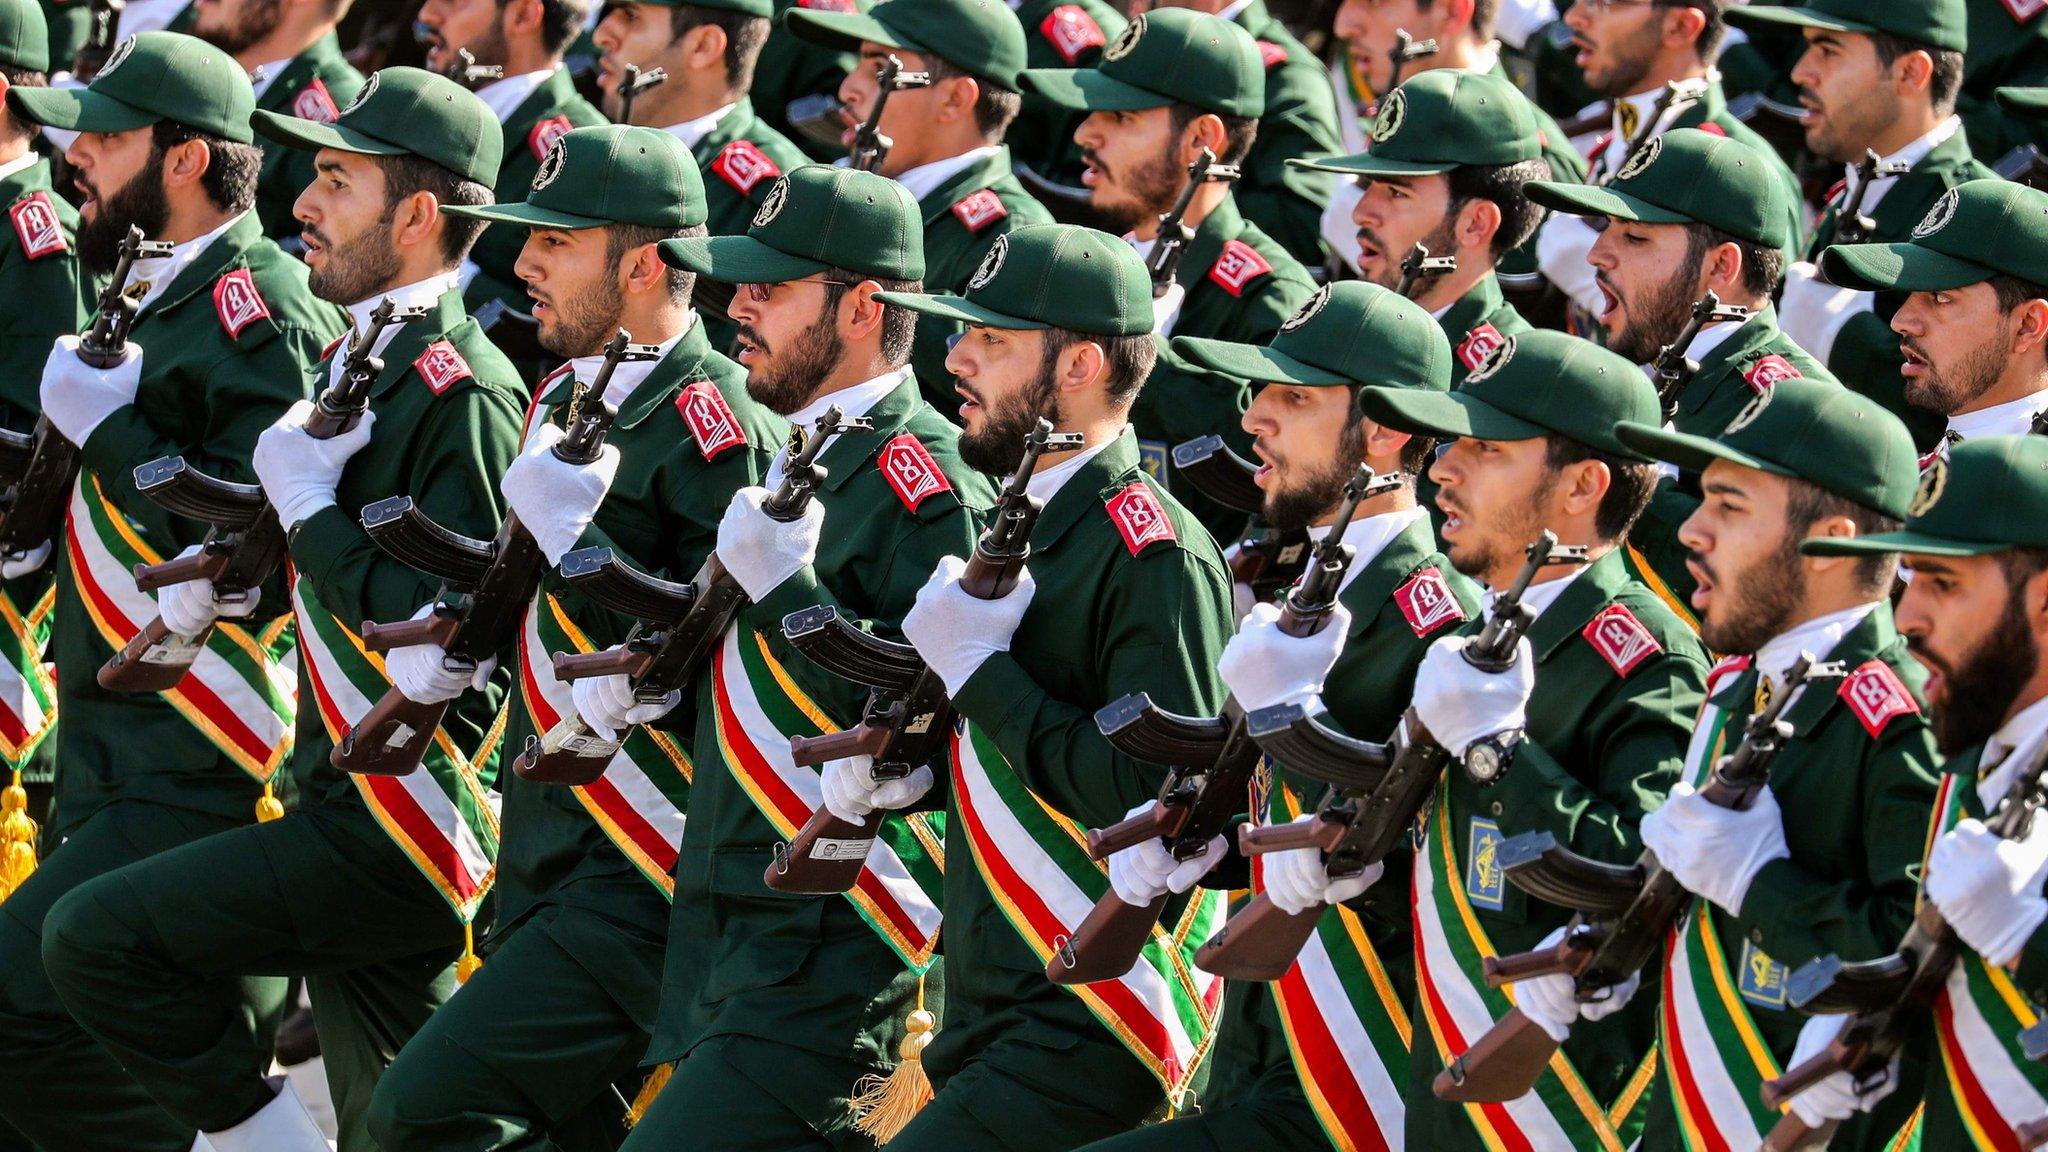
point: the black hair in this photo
(994, 110)
(231, 167)
(1947, 79)
(1762, 264)
(1808, 504)
(1238, 131)
(899, 324)
(1129, 358)
(560, 23)
(1505, 186)
(744, 37)
(407, 174)
(620, 239)
(1631, 483)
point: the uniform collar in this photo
(2010, 748)
(1818, 637)
(1706, 340)
(627, 377)
(1911, 156)
(1539, 598)
(1645, 105)
(163, 271)
(682, 361)
(264, 77)
(854, 401)
(1098, 478)
(17, 166)
(1469, 310)
(503, 97)
(1369, 536)
(1730, 343)
(1220, 227)
(692, 131)
(1234, 9)
(418, 294)
(1046, 483)
(926, 179)
(1563, 607)
(2008, 419)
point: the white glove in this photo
(555, 500)
(1561, 250)
(1340, 234)
(1263, 666)
(1715, 852)
(1989, 887)
(77, 397)
(423, 675)
(191, 607)
(1146, 871)
(1814, 312)
(1460, 703)
(1834, 1098)
(852, 793)
(1166, 309)
(1552, 1001)
(955, 632)
(1521, 19)
(1296, 879)
(26, 562)
(761, 551)
(608, 706)
(299, 473)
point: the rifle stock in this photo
(1259, 941)
(1506, 1060)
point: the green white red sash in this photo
(28, 693)
(758, 708)
(1036, 865)
(641, 799)
(441, 816)
(241, 692)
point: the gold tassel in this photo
(17, 837)
(470, 962)
(649, 1089)
(268, 807)
(882, 1106)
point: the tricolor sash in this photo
(641, 799)
(241, 693)
(1036, 865)
(758, 707)
(28, 693)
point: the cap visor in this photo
(1442, 414)
(1088, 90)
(1899, 267)
(2028, 100)
(844, 30)
(1367, 164)
(960, 308)
(1748, 16)
(737, 260)
(1691, 453)
(1587, 200)
(311, 136)
(1251, 362)
(1908, 541)
(526, 216)
(77, 110)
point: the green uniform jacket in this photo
(1300, 119)
(962, 219)
(662, 513)
(554, 108)
(206, 395)
(1565, 164)
(1104, 623)
(1477, 324)
(1856, 808)
(1602, 749)
(1058, 34)
(740, 158)
(808, 971)
(791, 68)
(447, 452)
(2005, 50)
(316, 85)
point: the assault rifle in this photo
(1852, 225)
(244, 542)
(1175, 234)
(1210, 762)
(1885, 999)
(103, 19)
(42, 465)
(464, 69)
(677, 626)
(1268, 558)
(634, 83)
(1406, 50)
(2024, 165)
(1621, 915)
(1672, 370)
(1418, 266)
(870, 147)
(1375, 790)
(907, 717)
(486, 586)
(1677, 98)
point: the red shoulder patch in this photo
(828, 5)
(1876, 694)
(1620, 638)
(35, 224)
(911, 471)
(2024, 10)
(315, 103)
(1599, 146)
(1238, 266)
(441, 365)
(337, 342)
(980, 210)
(1139, 517)
(743, 165)
(1072, 31)
(1272, 54)
(1426, 601)
(1771, 369)
(1478, 344)
(1712, 129)
(239, 304)
(544, 134)
(1728, 666)
(710, 419)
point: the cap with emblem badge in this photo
(761, 8)
(1165, 56)
(814, 218)
(1684, 176)
(1350, 333)
(592, 177)
(404, 112)
(982, 38)
(1049, 276)
(1989, 495)
(1443, 119)
(149, 77)
(1976, 231)
(24, 36)
(1933, 23)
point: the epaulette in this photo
(544, 134)
(36, 226)
(1768, 370)
(1876, 694)
(710, 419)
(911, 471)
(1272, 54)
(742, 164)
(1071, 31)
(2022, 11)
(236, 300)
(1620, 639)
(1139, 517)
(441, 365)
(1238, 266)
(1426, 601)
(1727, 667)
(1712, 129)
(979, 210)
(315, 103)
(1478, 344)
(829, 5)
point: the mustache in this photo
(1918, 650)
(1093, 160)
(751, 335)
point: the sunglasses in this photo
(759, 293)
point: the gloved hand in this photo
(1989, 887)
(1460, 703)
(1166, 309)
(555, 500)
(77, 397)
(852, 793)
(1814, 312)
(1561, 250)
(608, 706)
(421, 672)
(1296, 879)
(26, 562)
(299, 473)
(955, 632)
(1715, 852)
(1836, 1097)
(1146, 871)
(1263, 666)
(190, 607)
(761, 551)
(1552, 1001)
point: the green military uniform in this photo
(366, 887)
(1617, 675)
(773, 1005)
(2008, 47)
(1058, 34)
(1299, 119)
(792, 68)
(316, 85)
(741, 158)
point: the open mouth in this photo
(967, 401)
(1916, 365)
(1703, 581)
(1585, 52)
(1610, 309)
(1263, 474)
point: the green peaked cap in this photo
(1049, 276)
(612, 174)
(1165, 56)
(815, 217)
(1989, 495)
(1443, 119)
(1349, 333)
(150, 77)
(404, 112)
(1684, 176)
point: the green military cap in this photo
(404, 112)
(982, 38)
(147, 78)
(1535, 384)
(1989, 495)
(1684, 176)
(1349, 333)
(1443, 119)
(1934, 23)
(761, 8)
(24, 36)
(2029, 102)
(607, 175)
(1049, 276)
(1809, 430)
(814, 218)
(1165, 56)
(1975, 231)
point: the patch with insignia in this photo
(1307, 311)
(1238, 266)
(1495, 359)
(1876, 694)
(1478, 344)
(1937, 217)
(1933, 481)
(1750, 411)
(236, 300)
(35, 224)
(1762, 980)
(1152, 457)
(1072, 31)
(544, 134)
(362, 95)
(979, 210)
(1126, 39)
(911, 471)
(1139, 517)
(710, 419)
(829, 5)
(441, 365)
(550, 168)
(990, 264)
(1426, 601)
(1641, 161)
(119, 56)
(1272, 54)
(1485, 880)
(771, 204)
(1768, 371)
(2024, 10)
(314, 103)
(1729, 666)
(743, 165)
(1392, 114)
(1620, 638)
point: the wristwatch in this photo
(1487, 759)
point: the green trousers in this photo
(1020, 1096)
(59, 1088)
(745, 1094)
(154, 959)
